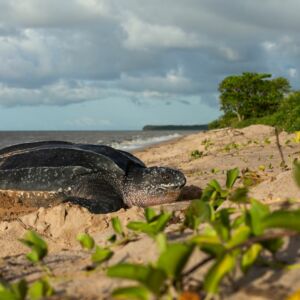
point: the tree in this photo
(252, 94)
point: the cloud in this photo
(173, 82)
(143, 36)
(292, 72)
(58, 93)
(55, 53)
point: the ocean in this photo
(123, 140)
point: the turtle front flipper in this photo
(98, 196)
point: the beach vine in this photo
(232, 231)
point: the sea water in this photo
(123, 140)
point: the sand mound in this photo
(59, 225)
(281, 187)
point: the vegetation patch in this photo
(232, 231)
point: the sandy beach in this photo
(253, 150)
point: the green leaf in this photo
(250, 256)
(149, 214)
(206, 239)
(231, 177)
(101, 254)
(161, 241)
(117, 226)
(297, 172)
(20, 289)
(139, 226)
(239, 236)
(282, 219)
(38, 246)
(216, 273)
(149, 276)
(273, 245)
(239, 221)
(7, 294)
(152, 228)
(222, 224)
(174, 259)
(215, 250)
(210, 244)
(240, 195)
(207, 193)
(86, 241)
(15, 291)
(161, 222)
(132, 292)
(223, 231)
(215, 185)
(256, 213)
(112, 238)
(40, 289)
(198, 211)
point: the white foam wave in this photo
(137, 143)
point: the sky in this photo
(121, 64)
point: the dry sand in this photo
(252, 149)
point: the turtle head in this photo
(152, 186)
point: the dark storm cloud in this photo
(55, 53)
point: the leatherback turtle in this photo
(98, 177)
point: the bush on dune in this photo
(253, 98)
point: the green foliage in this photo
(230, 237)
(231, 177)
(227, 120)
(86, 241)
(132, 292)
(199, 211)
(150, 214)
(150, 277)
(101, 255)
(252, 94)
(38, 246)
(250, 256)
(297, 172)
(153, 278)
(174, 258)
(231, 146)
(153, 225)
(98, 254)
(195, 154)
(257, 212)
(40, 289)
(282, 219)
(117, 226)
(287, 116)
(219, 269)
(207, 143)
(15, 291)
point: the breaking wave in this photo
(140, 142)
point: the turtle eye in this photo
(167, 177)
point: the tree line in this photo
(257, 98)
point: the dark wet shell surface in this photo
(53, 165)
(123, 159)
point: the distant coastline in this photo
(175, 127)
